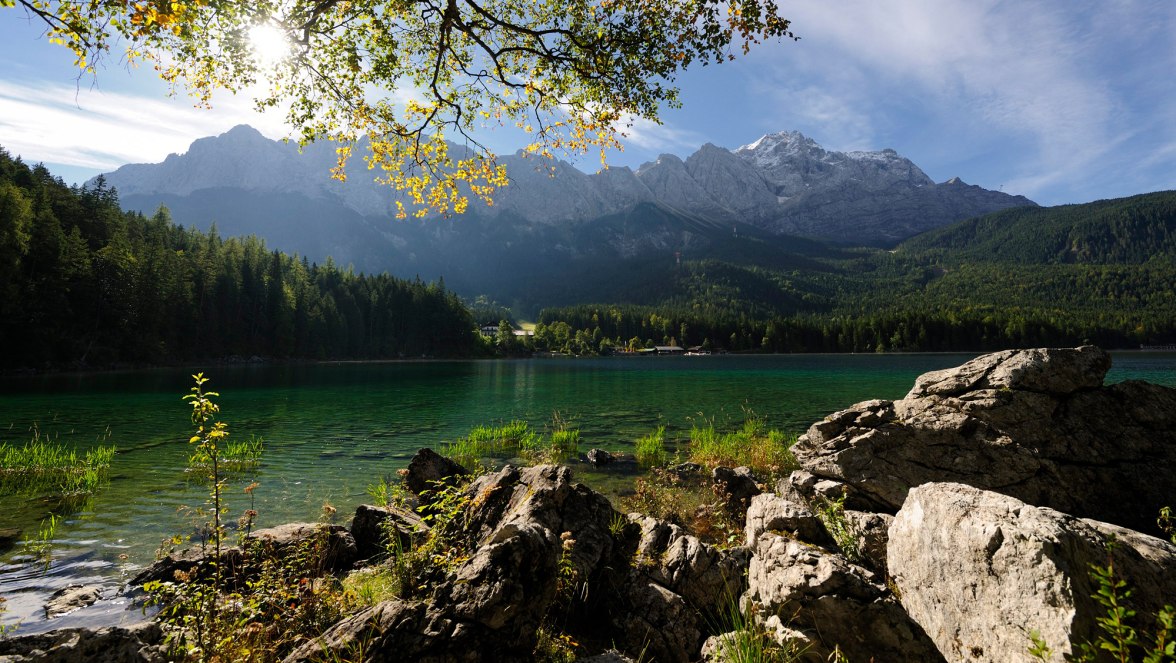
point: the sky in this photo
(1063, 101)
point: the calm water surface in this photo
(330, 430)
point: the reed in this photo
(767, 452)
(43, 466)
(651, 449)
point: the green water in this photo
(332, 429)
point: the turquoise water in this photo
(332, 429)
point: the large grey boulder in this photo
(980, 570)
(799, 591)
(1033, 424)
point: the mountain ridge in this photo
(784, 182)
(717, 203)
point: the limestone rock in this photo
(610, 656)
(1047, 370)
(872, 531)
(978, 570)
(139, 643)
(705, 576)
(770, 512)
(68, 599)
(796, 587)
(1033, 424)
(191, 560)
(428, 470)
(521, 526)
(332, 546)
(737, 486)
(372, 526)
(658, 622)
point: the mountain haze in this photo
(781, 187)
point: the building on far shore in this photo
(663, 350)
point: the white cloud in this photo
(93, 129)
(980, 74)
(648, 135)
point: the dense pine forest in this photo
(83, 283)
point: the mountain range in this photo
(783, 195)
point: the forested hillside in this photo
(1131, 230)
(1104, 272)
(83, 283)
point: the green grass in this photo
(766, 452)
(515, 437)
(233, 456)
(371, 586)
(485, 441)
(746, 641)
(42, 465)
(651, 449)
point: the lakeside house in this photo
(663, 350)
(490, 331)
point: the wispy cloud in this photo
(649, 135)
(1049, 76)
(93, 129)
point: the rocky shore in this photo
(969, 515)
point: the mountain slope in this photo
(556, 234)
(1122, 231)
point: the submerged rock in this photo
(599, 457)
(71, 598)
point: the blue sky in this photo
(1063, 101)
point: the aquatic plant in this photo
(232, 456)
(767, 452)
(484, 441)
(651, 449)
(40, 545)
(42, 465)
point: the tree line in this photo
(83, 283)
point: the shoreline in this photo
(269, 361)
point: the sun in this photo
(269, 44)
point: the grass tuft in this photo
(651, 449)
(767, 452)
(42, 465)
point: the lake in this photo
(330, 430)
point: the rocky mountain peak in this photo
(783, 182)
